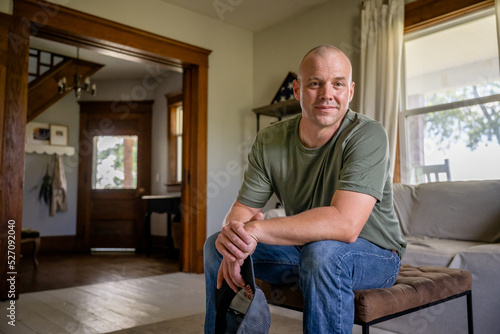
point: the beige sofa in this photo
(457, 225)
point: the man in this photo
(329, 168)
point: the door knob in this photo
(140, 191)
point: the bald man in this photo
(329, 167)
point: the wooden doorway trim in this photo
(51, 21)
(13, 109)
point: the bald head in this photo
(324, 50)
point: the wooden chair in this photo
(32, 236)
(425, 173)
(416, 288)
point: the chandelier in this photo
(79, 85)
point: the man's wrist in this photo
(252, 229)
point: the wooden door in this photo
(115, 171)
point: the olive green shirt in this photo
(356, 159)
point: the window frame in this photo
(174, 101)
(421, 14)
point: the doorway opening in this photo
(72, 27)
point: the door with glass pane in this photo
(114, 172)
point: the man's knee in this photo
(323, 255)
(210, 242)
(210, 253)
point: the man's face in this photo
(324, 88)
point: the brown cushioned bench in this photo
(415, 288)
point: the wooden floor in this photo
(107, 307)
(63, 271)
(121, 294)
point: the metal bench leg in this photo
(469, 313)
(366, 328)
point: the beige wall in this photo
(279, 49)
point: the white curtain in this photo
(382, 27)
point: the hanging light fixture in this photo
(78, 85)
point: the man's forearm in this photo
(312, 225)
(343, 220)
(240, 212)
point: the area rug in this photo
(193, 324)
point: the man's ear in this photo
(296, 89)
(352, 91)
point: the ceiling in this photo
(253, 15)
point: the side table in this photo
(168, 204)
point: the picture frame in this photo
(58, 135)
(38, 133)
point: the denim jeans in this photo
(327, 272)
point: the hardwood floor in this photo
(70, 270)
(120, 294)
(107, 307)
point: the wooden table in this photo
(168, 204)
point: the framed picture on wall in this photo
(58, 135)
(37, 133)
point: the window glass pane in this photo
(115, 162)
(178, 120)
(468, 137)
(456, 63)
(179, 159)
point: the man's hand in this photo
(235, 245)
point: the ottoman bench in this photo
(415, 288)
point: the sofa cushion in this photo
(426, 251)
(458, 210)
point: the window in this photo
(174, 133)
(451, 108)
(115, 162)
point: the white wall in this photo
(36, 212)
(230, 118)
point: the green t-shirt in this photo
(356, 159)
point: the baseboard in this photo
(68, 244)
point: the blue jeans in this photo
(327, 272)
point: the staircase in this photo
(45, 71)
